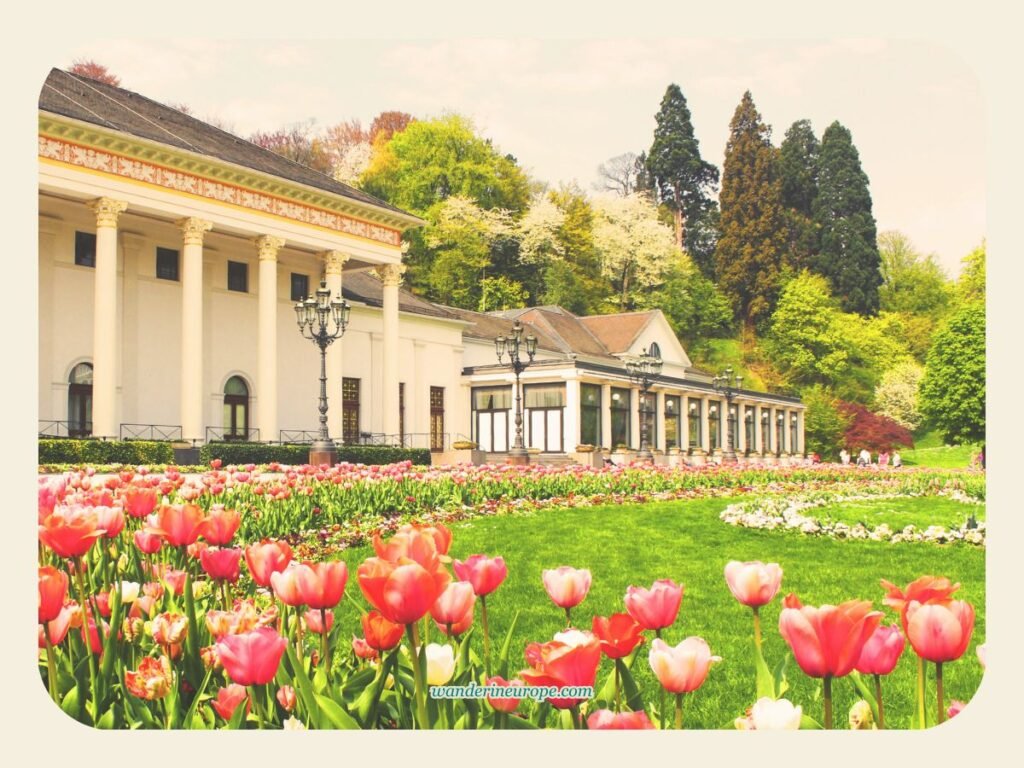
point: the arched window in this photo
(654, 350)
(80, 401)
(236, 409)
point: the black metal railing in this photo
(51, 428)
(157, 432)
(219, 434)
(408, 440)
(297, 436)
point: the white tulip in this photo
(129, 591)
(440, 664)
(770, 715)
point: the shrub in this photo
(263, 453)
(69, 451)
(824, 425)
(873, 431)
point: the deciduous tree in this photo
(824, 424)
(896, 394)
(872, 430)
(95, 71)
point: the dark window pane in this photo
(166, 264)
(238, 276)
(85, 249)
(300, 287)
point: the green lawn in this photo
(897, 513)
(685, 541)
(941, 456)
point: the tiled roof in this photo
(617, 332)
(366, 287)
(92, 101)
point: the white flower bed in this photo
(791, 514)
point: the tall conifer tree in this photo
(678, 174)
(798, 169)
(848, 255)
(749, 257)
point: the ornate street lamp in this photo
(511, 345)
(728, 384)
(643, 371)
(322, 321)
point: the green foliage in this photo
(896, 394)
(952, 395)
(911, 283)
(692, 304)
(681, 178)
(749, 254)
(849, 255)
(65, 451)
(263, 453)
(824, 424)
(501, 293)
(971, 285)
(798, 170)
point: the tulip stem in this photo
(51, 666)
(757, 627)
(827, 682)
(325, 648)
(878, 700)
(84, 602)
(224, 595)
(257, 704)
(679, 711)
(568, 618)
(487, 636)
(921, 716)
(661, 691)
(417, 674)
(938, 690)
(618, 695)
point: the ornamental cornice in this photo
(113, 152)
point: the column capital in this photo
(390, 274)
(267, 246)
(107, 209)
(193, 229)
(334, 261)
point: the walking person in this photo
(844, 457)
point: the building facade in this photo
(171, 255)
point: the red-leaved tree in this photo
(873, 431)
(94, 70)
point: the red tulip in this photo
(606, 720)
(754, 583)
(571, 659)
(148, 543)
(314, 622)
(501, 704)
(220, 526)
(381, 634)
(940, 632)
(252, 658)
(153, 680)
(57, 629)
(228, 699)
(881, 651)
(458, 628)
(827, 641)
(657, 607)
(402, 593)
(179, 524)
(286, 697)
(684, 668)
(619, 634)
(221, 564)
(70, 531)
(138, 501)
(53, 590)
(925, 590)
(322, 585)
(484, 573)
(566, 586)
(454, 603)
(266, 558)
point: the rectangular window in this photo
(300, 287)
(794, 434)
(166, 264)
(437, 418)
(544, 396)
(350, 410)
(748, 421)
(85, 249)
(620, 416)
(238, 276)
(648, 422)
(672, 427)
(590, 414)
(715, 425)
(492, 398)
(695, 423)
(490, 418)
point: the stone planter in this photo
(622, 456)
(697, 458)
(588, 458)
(676, 458)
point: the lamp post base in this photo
(518, 456)
(729, 457)
(323, 452)
(644, 456)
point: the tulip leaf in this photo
(463, 659)
(765, 687)
(303, 686)
(519, 724)
(106, 721)
(193, 664)
(779, 677)
(237, 717)
(809, 724)
(505, 646)
(630, 690)
(190, 715)
(864, 692)
(335, 715)
(368, 701)
(70, 704)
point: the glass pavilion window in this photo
(620, 416)
(590, 414)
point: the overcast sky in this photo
(916, 110)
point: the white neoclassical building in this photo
(171, 255)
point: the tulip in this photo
(286, 697)
(208, 655)
(175, 580)
(129, 592)
(657, 607)
(567, 587)
(440, 663)
(103, 604)
(484, 573)
(571, 659)
(293, 724)
(681, 669)
(228, 699)
(955, 708)
(152, 680)
(606, 720)
(221, 564)
(252, 658)
(169, 628)
(940, 633)
(754, 584)
(827, 641)
(179, 524)
(70, 531)
(53, 591)
(775, 715)
(454, 604)
(500, 704)
(381, 634)
(220, 526)
(196, 548)
(925, 590)
(285, 584)
(51, 491)
(314, 621)
(860, 717)
(137, 501)
(321, 585)
(148, 543)
(363, 649)
(57, 628)
(266, 558)
(111, 520)
(619, 634)
(879, 657)
(402, 593)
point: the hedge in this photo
(71, 451)
(262, 453)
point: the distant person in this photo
(883, 459)
(815, 458)
(981, 457)
(844, 457)
(864, 458)
(897, 460)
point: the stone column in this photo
(606, 416)
(266, 366)
(634, 418)
(105, 313)
(741, 427)
(571, 416)
(391, 277)
(192, 411)
(659, 421)
(705, 424)
(800, 430)
(334, 261)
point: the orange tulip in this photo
(138, 501)
(413, 544)
(381, 634)
(404, 592)
(827, 641)
(619, 634)
(220, 526)
(286, 697)
(169, 628)
(53, 590)
(152, 680)
(940, 632)
(925, 590)
(571, 659)
(266, 558)
(70, 531)
(322, 585)
(754, 584)
(179, 524)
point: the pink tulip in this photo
(684, 668)
(754, 583)
(454, 603)
(484, 573)
(606, 720)
(827, 641)
(657, 607)
(881, 651)
(567, 586)
(252, 658)
(938, 632)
